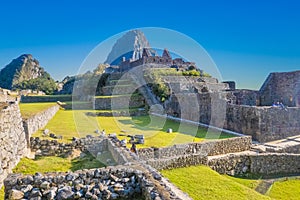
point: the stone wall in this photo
(183, 155)
(178, 161)
(283, 86)
(55, 148)
(12, 138)
(51, 98)
(94, 145)
(119, 102)
(38, 121)
(210, 147)
(263, 123)
(265, 163)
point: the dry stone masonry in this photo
(109, 183)
(39, 120)
(13, 143)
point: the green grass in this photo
(2, 193)
(30, 109)
(75, 123)
(63, 123)
(200, 182)
(251, 182)
(56, 164)
(288, 189)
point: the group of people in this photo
(279, 105)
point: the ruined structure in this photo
(161, 61)
(281, 87)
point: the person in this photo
(282, 106)
(133, 148)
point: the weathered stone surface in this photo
(16, 194)
(39, 121)
(283, 87)
(265, 163)
(12, 138)
(215, 147)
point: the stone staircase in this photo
(287, 145)
(120, 93)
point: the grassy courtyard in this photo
(201, 182)
(30, 109)
(75, 123)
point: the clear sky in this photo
(246, 39)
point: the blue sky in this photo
(246, 39)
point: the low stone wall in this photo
(275, 163)
(265, 163)
(93, 145)
(213, 147)
(13, 144)
(38, 121)
(120, 113)
(54, 148)
(116, 153)
(119, 102)
(178, 162)
(231, 164)
(51, 98)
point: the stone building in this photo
(283, 87)
(148, 58)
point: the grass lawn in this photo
(288, 189)
(75, 123)
(251, 182)
(30, 109)
(57, 164)
(200, 182)
(2, 193)
(63, 123)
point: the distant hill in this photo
(25, 72)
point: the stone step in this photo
(119, 102)
(264, 186)
(118, 90)
(119, 82)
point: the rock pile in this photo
(113, 183)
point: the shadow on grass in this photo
(141, 123)
(86, 162)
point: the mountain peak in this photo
(23, 68)
(130, 46)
